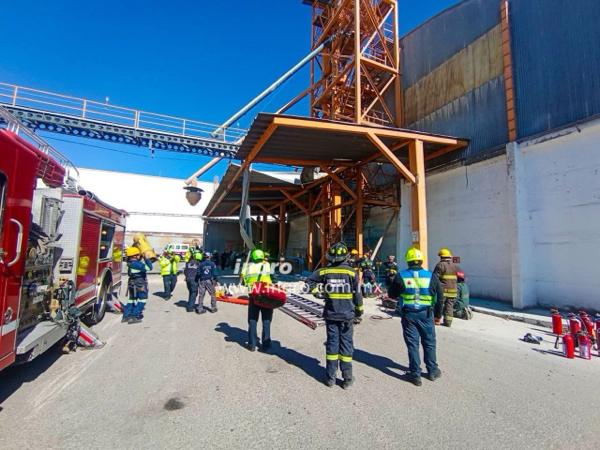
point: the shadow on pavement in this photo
(160, 294)
(13, 377)
(233, 334)
(549, 352)
(378, 362)
(545, 331)
(311, 366)
(181, 303)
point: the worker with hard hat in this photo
(391, 269)
(190, 272)
(168, 270)
(137, 285)
(461, 307)
(207, 278)
(258, 271)
(216, 257)
(419, 290)
(446, 272)
(366, 266)
(195, 248)
(343, 303)
(354, 259)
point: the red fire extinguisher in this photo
(557, 322)
(568, 346)
(587, 323)
(574, 327)
(585, 346)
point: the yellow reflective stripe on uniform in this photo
(341, 296)
(332, 357)
(421, 301)
(141, 300)
(346, 358)
(449, 277)
(360, 308)
(331, 270)
(422, 282)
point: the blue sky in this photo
(195, 59)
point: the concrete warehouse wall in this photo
(149, 194)
(467, 212)
(524, 224)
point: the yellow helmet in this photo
(445, 253)
(132, 251)
(354, 252)
(413, 254)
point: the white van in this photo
(178, 249)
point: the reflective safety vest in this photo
(254, 272)
(416, 294)
(168, 267)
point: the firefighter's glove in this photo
(358, 313)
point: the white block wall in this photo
(563, 212)
(467, 212)
(525, 225)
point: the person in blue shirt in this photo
(207, 277)
(137, 285)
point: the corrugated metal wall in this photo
(480, 115)
(437, 40)
(556, 58)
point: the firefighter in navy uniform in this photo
(391, 269)
(366, 266)
(343, 303)
(419, 289)
(137, 285)
(207, 277)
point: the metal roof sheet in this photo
(321, 145)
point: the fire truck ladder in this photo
(306, 311)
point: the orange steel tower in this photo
(357, 79)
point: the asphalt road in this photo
(183, 381)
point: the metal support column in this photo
(282, 229)
(311, 228)
(418, 198)
(359, 209)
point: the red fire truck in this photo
(60, 248)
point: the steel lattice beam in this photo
(101, 130)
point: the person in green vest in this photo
(420, 292)
(461, 307)
(258, 271)
(168, 270)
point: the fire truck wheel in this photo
(99, 309)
